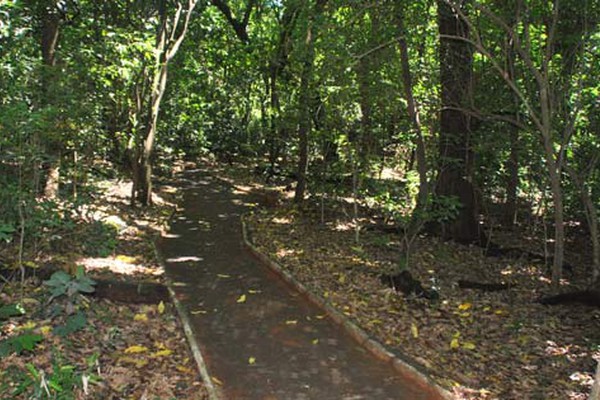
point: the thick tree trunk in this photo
(454, 181)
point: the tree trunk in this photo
(455, 74)
(595, 395)
(50, 32)
(413, 113)
(305, 120)
(168, 41)
(591, 215)
(512, 178)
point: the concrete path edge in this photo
(401, 365)
(213, 392)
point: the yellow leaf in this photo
(126, 259)
(252, 361)
(183, 369)
(198, 312)
(464, 314)
(291, 322)
(469, 346)
(217, 380)
(45, 330)
(135, 349)
(315, 341)
(31, 264)
(500, 312)
(342, 279)
(326, 294)
(140, 317)
(224, 276)
(320, 316)
(465, 306)
(27, 325)
(161, 353)
(242, 299)
(454, 344)
(487, 308)
(253, 291)
(414, 330)
(161, 307)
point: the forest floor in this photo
(477, 344)
(90, 347)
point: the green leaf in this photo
(11, 310)
(74, 323)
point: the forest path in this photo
(259, 338)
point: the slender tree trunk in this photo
(413, 113)
(170, 35)
(595, 395)
(50, 20)
(456, 68)
(305, 122)
(512, 181)
(591, 215)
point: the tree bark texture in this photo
(454, 151)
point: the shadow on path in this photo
(275, 344)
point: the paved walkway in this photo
(259, 338)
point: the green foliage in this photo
(73, 324)
(100, 239)
(6, 232)
(63, 284)
(19, 344)
(11, 310)
(60, 383)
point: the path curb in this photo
(401, 366)
(213, 392)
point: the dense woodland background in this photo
(484, 109)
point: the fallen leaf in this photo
(465, 306)
(185, 370)
(217, 380)
(254, 291)
(135, 349)
(161, 307)
(45, 330)
(161, 353)
(252, 361)
(241, 299)
(469, 346)
(291, 322)
(414, 330)
(198, 312)
(140, 317)
(315, 341)
(224, 276)
(454, 344)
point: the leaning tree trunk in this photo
(453, 181)
(169, 37)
